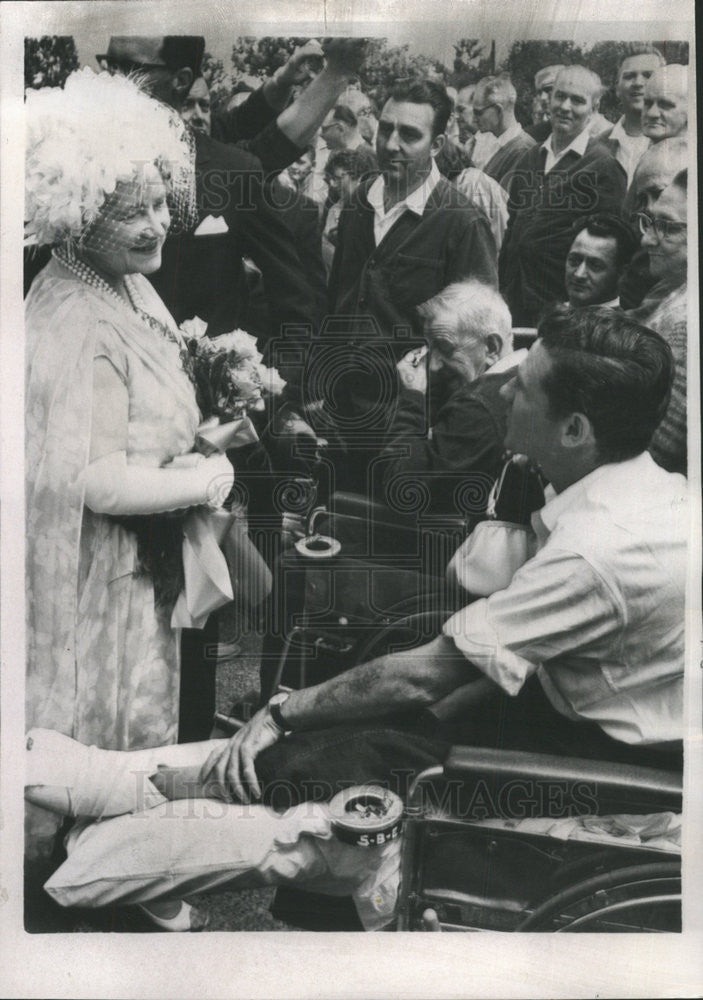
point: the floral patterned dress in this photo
(102, 659)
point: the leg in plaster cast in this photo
(67, 777)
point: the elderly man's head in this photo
(361, 105)
(603, 245)
(544, 85)
(655, 171)
(666, 103)
(464, 111)
(664, 232)
(494, 104)
(468, 326)
(574, 100)
(340, 128)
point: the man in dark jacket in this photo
(408, 234)
(569, 175)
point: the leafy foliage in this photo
(49, 60)
(523, 61)
(261, 57)
(471, 62)
(387, 64)
(604, 58)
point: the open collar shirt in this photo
(629, 149)
(578, 146)
(599, 612)
(415, 202)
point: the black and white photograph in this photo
(351, 499)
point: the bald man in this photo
(666, 103)
(568, 176)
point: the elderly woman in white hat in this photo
(111, 411)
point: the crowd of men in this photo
(358, 236)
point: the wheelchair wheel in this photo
(635, 899)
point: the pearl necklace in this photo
(67, 257)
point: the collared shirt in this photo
(510, 133)
(415, 202)
(578, 145)
(484, 146)
(598, 613)
(630, 149)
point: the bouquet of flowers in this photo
(230, 379)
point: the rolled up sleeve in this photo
(555, 604)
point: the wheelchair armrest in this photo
(614, 786)
(363, 507)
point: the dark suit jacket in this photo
(384, 284)
(542, 209)
(203, 275)
(466, 441)
(417, 257)
(501, 165)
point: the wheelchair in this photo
(476, 874)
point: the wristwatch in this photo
(274, 707)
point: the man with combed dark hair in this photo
(407, 234)
(603, 247)
(625, 138)
(583, 652)
(569, 175)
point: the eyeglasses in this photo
(663, 229)
(479, 111)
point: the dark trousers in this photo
(316, 765)
(198, 676)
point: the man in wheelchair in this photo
(581, 654)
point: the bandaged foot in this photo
(67, 777)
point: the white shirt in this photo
(488, 195)
(578, 145)
(599, 612)
(630, 149)
(415, 202)
(485, 145)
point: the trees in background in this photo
(49, 60)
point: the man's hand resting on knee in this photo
(410, 679)
(231, 769)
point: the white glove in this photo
(112, 486)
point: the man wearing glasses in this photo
(664, 237)
(569, 175)
(494, 111)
